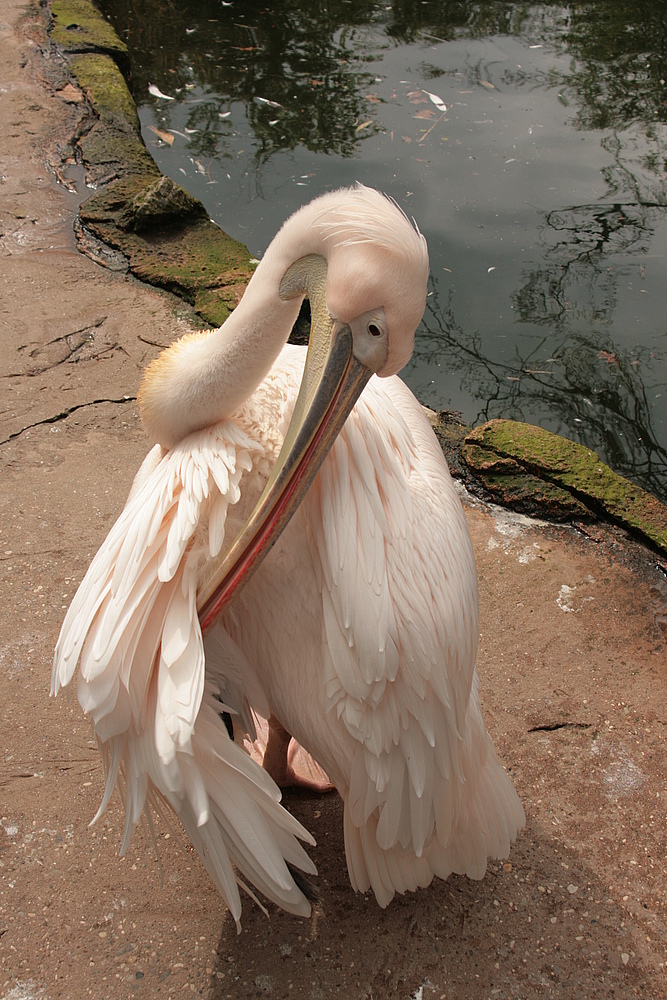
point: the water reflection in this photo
(303, 80)
(573, 215)
(574, 380)
(619, 78)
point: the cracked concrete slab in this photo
(71, 333)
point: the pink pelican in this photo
(356, 633)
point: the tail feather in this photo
(243, 822)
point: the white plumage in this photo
(358, 632)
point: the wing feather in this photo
(133, 625)
(399, 600)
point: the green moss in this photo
(113, 146)
(78, 26)
(193, 257)
(175, 247)
(108, 204)
(117, 152)
(512, 486)
(106, 89)
(485, 459)
(215, 304)
(503, 447)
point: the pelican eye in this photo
(370, 338)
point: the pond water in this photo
(529, 141)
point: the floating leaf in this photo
(406, 138)
(363, 125)
(265, 100)
(608, 356)
(425, 113)
(438, 101)
(162, 136)
(485, 83)
(156, 92)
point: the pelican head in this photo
(377, 274)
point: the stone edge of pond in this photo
(78, 26)
(164, 237)
(539, 473)
(155, 228)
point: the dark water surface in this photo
(541, 189)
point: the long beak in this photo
(332, 382)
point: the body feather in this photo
(376, 676)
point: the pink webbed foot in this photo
(286, 761)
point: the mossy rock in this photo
(170, 242)
(517, 461)
(106, 89)
(162, 202)
(113, 146)
(190, 259)
(78, 26)
(450, 430)
(215, 304)
(108, 204)
(108, 154)
(163, 231)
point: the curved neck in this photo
(202, 379)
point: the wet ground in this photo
(573, 663)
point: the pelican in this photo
(293, 547)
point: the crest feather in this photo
(366, 220)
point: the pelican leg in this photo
(288, 763)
